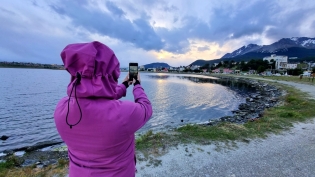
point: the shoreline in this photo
(151, 161)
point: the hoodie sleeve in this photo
(120, 91)
(141, 110)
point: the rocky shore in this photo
(36, 156)
(265, 96)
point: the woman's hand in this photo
(138, 80)
(127, 79)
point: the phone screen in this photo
(133, 71)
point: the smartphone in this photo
(133, 71)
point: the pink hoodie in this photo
(101, 141)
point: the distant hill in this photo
(301, 47)
(157, 65)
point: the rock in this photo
(9, 152)
(40, 166)
(242, 106)
(41, 145)
(4, 137)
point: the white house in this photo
(141, 68)
(151, 69)
(181, 68)
(291, 65)
(124, 69)
(281, 61)
(193, 67)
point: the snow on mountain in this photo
(308, 42)
(282, 45)
(242, 50)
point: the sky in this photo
(177, 32)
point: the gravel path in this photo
(310, 89)
(291, 153)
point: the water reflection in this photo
(190, 98)
(159, 76)
(241, 87)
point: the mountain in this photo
(157, 65)
(243, 50)
(292, 47)
(301, 47)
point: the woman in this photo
(97, 127)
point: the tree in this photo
(261, 69)
(294, 72)
(225, 63)
(219, 65)
(197, 71)
(242, 66)
(206, 66)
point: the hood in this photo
(98, 67)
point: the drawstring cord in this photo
(77, 82)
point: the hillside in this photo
(293, 47)
(157, 65)
(301, 47)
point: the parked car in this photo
(306, 73)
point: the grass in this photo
(296, 79)
(11, 168)
(295, 108)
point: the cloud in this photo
(114, 9)
(58, 9)
(7, 11)
(175, 31)
(203, 48)
(139, 32)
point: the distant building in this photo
(151, 69)
(181, 68)
(227, 71)
(124, 69)
(193, 67)
(216, 71)
(164, 70)
(141, 68)
(281, 61)
(292, 66)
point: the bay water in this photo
(28, 98)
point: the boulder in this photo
(4, 137)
